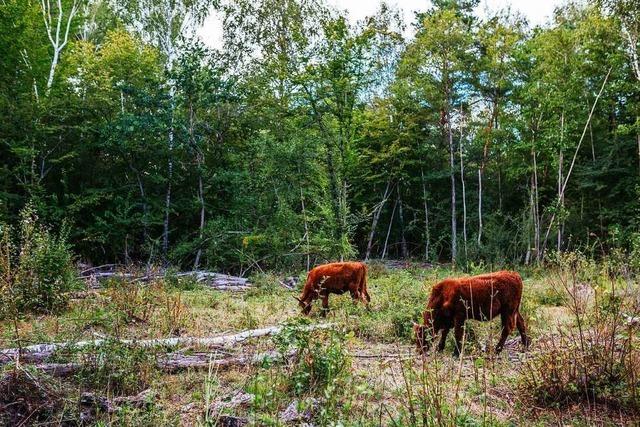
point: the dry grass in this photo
(386, 383)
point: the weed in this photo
(36, 274)
(117, 368)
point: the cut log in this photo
(290, 282)
(231, 421)
(176, 362)
(111, 405)
(208, 278)
(41, 352)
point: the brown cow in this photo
(482, 297)
(334, 278)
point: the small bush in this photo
(117, 368)
(37, 273)
(131, 302)
(552, 297)
(376, 270)
(321, 362)
(181, 283)
(402, 321)
(264, 284)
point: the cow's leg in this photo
(364, 298)
(355, 297)
(522, 329)
(458, 330)
(325, 304)
(365, 290)
(507, 326)
(443, 338)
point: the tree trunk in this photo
(479, 205)
(167, 200)
(638, 141)
(196, 263)
(536, 205)
(560, 181)
(376, 218)
(454, 237)
(306, 228)
(52, 70)
(199, 164)
(333, 187)
(575, 156)
(464, 193)
(58, 36)
(426, 218)
(403, 240)
(386, 240)
(40, 352)
(560, 201)
(173, 363)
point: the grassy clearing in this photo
(364, 371)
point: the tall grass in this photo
(596, 359)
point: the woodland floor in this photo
(374, 375)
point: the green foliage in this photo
(282, 142)
(116, 368)
(320, 364)
(37, 272)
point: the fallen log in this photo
(216, 280)
(176, 362)
(40, 352)
(105, 404)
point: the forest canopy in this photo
(306, 136)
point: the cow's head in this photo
(424, 333)
(304, 305)
(423, 337)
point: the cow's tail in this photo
(517, 279)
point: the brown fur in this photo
(482, 297)
(335, 278)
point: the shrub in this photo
(37, 274)
(402, 321)
(131, 302)
(264, 284)
(595, 360)
(117, 368)
(321, 362)
(184, 283)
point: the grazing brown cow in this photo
(482, 297)
(334, 278)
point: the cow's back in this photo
(337, 275)
(484, 294)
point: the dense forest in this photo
(307, 137)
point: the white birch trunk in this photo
(454, 236)
(386, 240)
(426, 218)
(376, 218)
(57, 33)
(464, 193)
